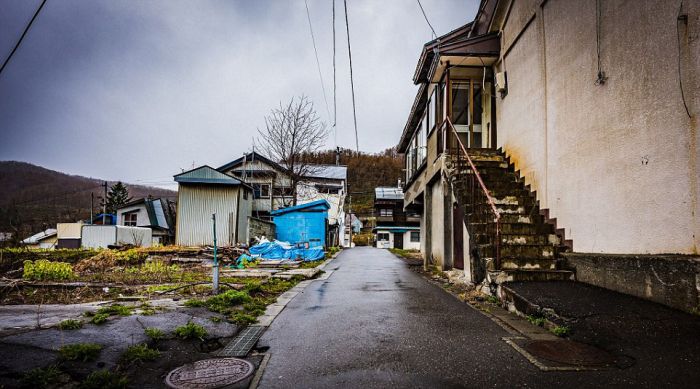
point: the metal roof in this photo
(333, 172)
(36, 238)
(322, 203)
(388, 193)
(206, 175)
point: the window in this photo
(327, 189)
(386, 212)
(460, 105)
(261, 191)
(130, 218)
(431, 110)
(415, 236)
(383, 236)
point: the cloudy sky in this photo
(137, 90)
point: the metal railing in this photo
(478, 204)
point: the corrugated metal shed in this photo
(206, 175)
(303, 223)
(203, 192)
(95, 236)
(388, 193)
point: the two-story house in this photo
(396, 227)
(272, 188)
(152, 213)
(551, 136)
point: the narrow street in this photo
(376, 323)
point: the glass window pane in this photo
(460, 102)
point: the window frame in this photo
(417, 240)
(127, 218)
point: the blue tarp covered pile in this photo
(278, 250)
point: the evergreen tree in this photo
(117, 196)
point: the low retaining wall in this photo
(672, 280)
(258, 227)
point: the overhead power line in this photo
(26, 29)
(352, 84)
(426, 19)
(335, 104)
(318, 63)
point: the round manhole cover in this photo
(569, 352)
(210, 373)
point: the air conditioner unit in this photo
(501, 80)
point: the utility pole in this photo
(350, 214)
(104, 205)
(92, 205)
(215, 268)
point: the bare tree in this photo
(291, 131)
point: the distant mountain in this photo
(33, 198)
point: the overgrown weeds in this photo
(40, 377)
(70, 324)
(154, 333)
(115, 309)
(191, 331)
(104, 379)
(537, 320)
(45, 270)
(84, 352)
(561, 331)
(99, 318)
(140, 353)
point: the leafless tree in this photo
(291, 131)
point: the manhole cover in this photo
(569, 352)
(209, 373)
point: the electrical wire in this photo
(318, 63)
(680, 77)
(601, 74)
(335, 104)
(26, 29)
(352, 84)
(426, 19)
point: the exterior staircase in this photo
(509, 237)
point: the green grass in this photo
(84, 352)
(191, 331)
(221, 303)
(70, 324)
(115, 309)
(154, 333)
(104, 379)
(140, 353)
(215, 319)
(536, 320)
(193, 303)
(242, 318)
(40, 377)
(99, 318)
(493, 299)
(561, 331)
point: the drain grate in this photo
(243, 343)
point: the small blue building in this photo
(305, 223)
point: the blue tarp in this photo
(282, 250)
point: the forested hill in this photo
(365, 172)
(33, 198)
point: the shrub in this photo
(70, 324)
(140, 353)
(154, 333)
(131, 256)
(44, 270)
(104, 379)
(85, 352)
(158, 267)
(40, 377)
(99, 318)
(191, 331)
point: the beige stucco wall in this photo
(437, 237)
(616, 164)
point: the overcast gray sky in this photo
(137, 90)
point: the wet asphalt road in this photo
(374, 323)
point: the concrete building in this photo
(396, 228)
(543, 127)
(272, 188)
(203, 192)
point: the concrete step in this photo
(512, 228)
(521, 263)
(534, 251)
(504, 276)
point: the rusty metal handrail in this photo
(492, 204)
